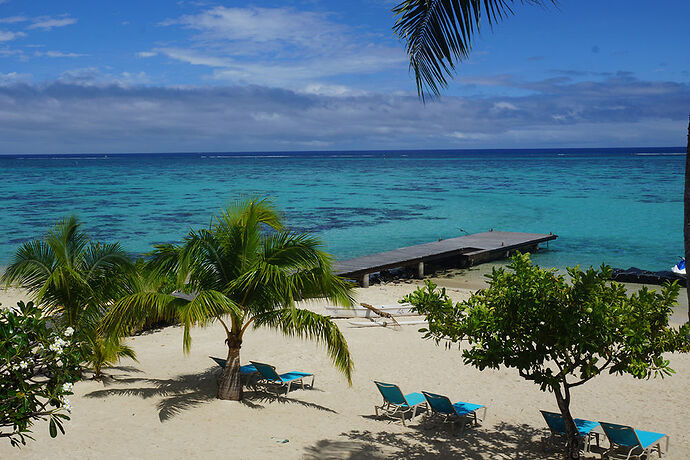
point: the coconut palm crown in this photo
(74, 279)
(244, 270)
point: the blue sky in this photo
(155, 76)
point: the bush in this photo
(38, 366)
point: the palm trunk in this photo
(686, 217)
(572, 446)
(230, 385)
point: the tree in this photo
(556, 333)
(75, 279)
(244, 270)
(38, 365)
(438, 34)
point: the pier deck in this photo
(467, 250)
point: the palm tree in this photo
(439, 33)
(245, 270)
(74, 279)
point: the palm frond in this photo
(439, 33)
(306, 324)
(136, 311)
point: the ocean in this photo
(622, 207)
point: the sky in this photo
(221, 76)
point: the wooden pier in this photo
(464, 250)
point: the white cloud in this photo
(49, 23)
(13, 19)
(6, 36)
(278, 47)
(504, 106)
(146, 54)
(58, 54)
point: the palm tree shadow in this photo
(256, 397)
(502, 441)
(177, 394)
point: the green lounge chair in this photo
(270, 376)
(584, 428)
(441, 406)
(627, 438)
(395, 403)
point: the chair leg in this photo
(402, 417)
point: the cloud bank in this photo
(90, 112)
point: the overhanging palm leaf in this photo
(439, 33)
(307, 324)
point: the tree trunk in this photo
(572, 446)
(230, 385)
(686, 217)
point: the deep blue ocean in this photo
(619, 206)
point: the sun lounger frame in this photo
(276, 379)
(453, 417)
(393, 409)
(585, 438)
(645, 451)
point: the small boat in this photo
(358, 311)
(679, 267)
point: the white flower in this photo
(23, 364)
(57, 345)
(68, 332)
(66, 405)
(67, 386)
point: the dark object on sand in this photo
(635, 275)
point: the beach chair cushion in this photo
(290, 376)
(557, 425)
(648, 438)
(624, 435)
(463, 408)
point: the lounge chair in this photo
(248, 372)
(394, 402)
(270, 376)
(627, 438)
(584, 428)
(441, 406)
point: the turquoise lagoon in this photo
(618, 206)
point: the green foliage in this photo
(439, 33)
(244, 268)
(38, 365)
(557, 333)
(75, 280)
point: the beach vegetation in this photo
(558, 331)
(39, 362)
(74, 280)
(245, 270)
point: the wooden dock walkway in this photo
(467, 250)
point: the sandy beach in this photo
(164, 405)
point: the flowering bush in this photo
(37, 367)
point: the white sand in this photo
(165, 406)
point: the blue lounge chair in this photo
(248, 372)
(638, 443)
(584, 428)
(441, 406)
(394, 402)
(270, 376)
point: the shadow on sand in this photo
(502, 441)
(188, 391)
